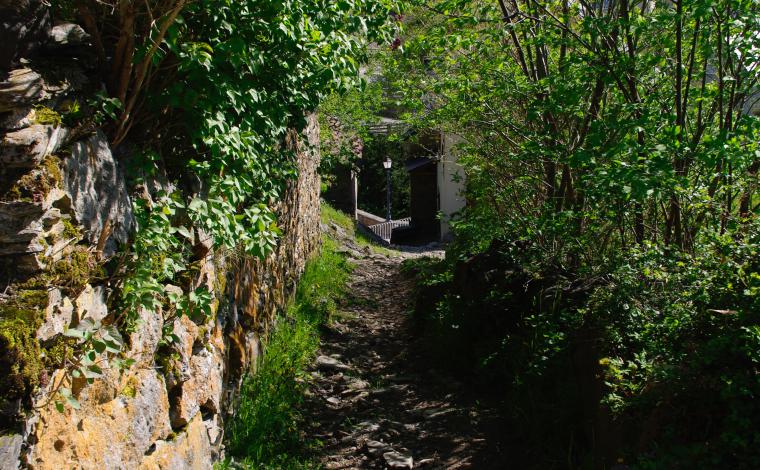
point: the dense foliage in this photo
(205, 99)
(623, 123)
(605, 270)
(348, 145)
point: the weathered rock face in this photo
(58, 315)
(25, 148)
(65, 207)
(23, 27)
(170, 415)
(96, 191)
(191, 450)
(119, 420)
(53, 206)
(10, 449)
(21, 88)
(68, 34)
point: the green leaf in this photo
(73, 333)
(185, 232)
(66, 394)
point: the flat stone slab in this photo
(10, 450)
(330, 363)
(396, 459)
(23, 86)
(377, 447)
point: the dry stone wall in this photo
(65, 209)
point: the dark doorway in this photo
(424, 226)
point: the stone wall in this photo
(65, 209)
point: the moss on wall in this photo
(58, 350)
(71, 273)
(22, 362)
(36, 184)
(20, 358)
(130, 389)
(70, 230)
(46, 116)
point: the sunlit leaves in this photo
(236, 78)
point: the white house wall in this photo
(450, 183)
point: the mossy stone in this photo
(58, 350)
(20, 355)
(46, 116)
(37, 183)
(71, 273)
(130, 389)
(69, 229)
(20, 365)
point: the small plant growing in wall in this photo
(100, 348)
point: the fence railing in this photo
(388, 128)
(384, 229)
(368, 219)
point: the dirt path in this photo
(372, 402)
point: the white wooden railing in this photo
(384, 229)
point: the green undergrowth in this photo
(654, 364)
(331, 214)
(267, 431)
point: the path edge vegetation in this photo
(267, 429)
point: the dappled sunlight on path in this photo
(372, 402)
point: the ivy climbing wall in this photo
(66, 212)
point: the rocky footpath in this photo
(65, 214)
(373, 401)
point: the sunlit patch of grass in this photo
(330, 214)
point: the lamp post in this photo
(387, 165)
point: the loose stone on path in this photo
(330, 363)
(398, 460)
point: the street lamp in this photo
(387, 165)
